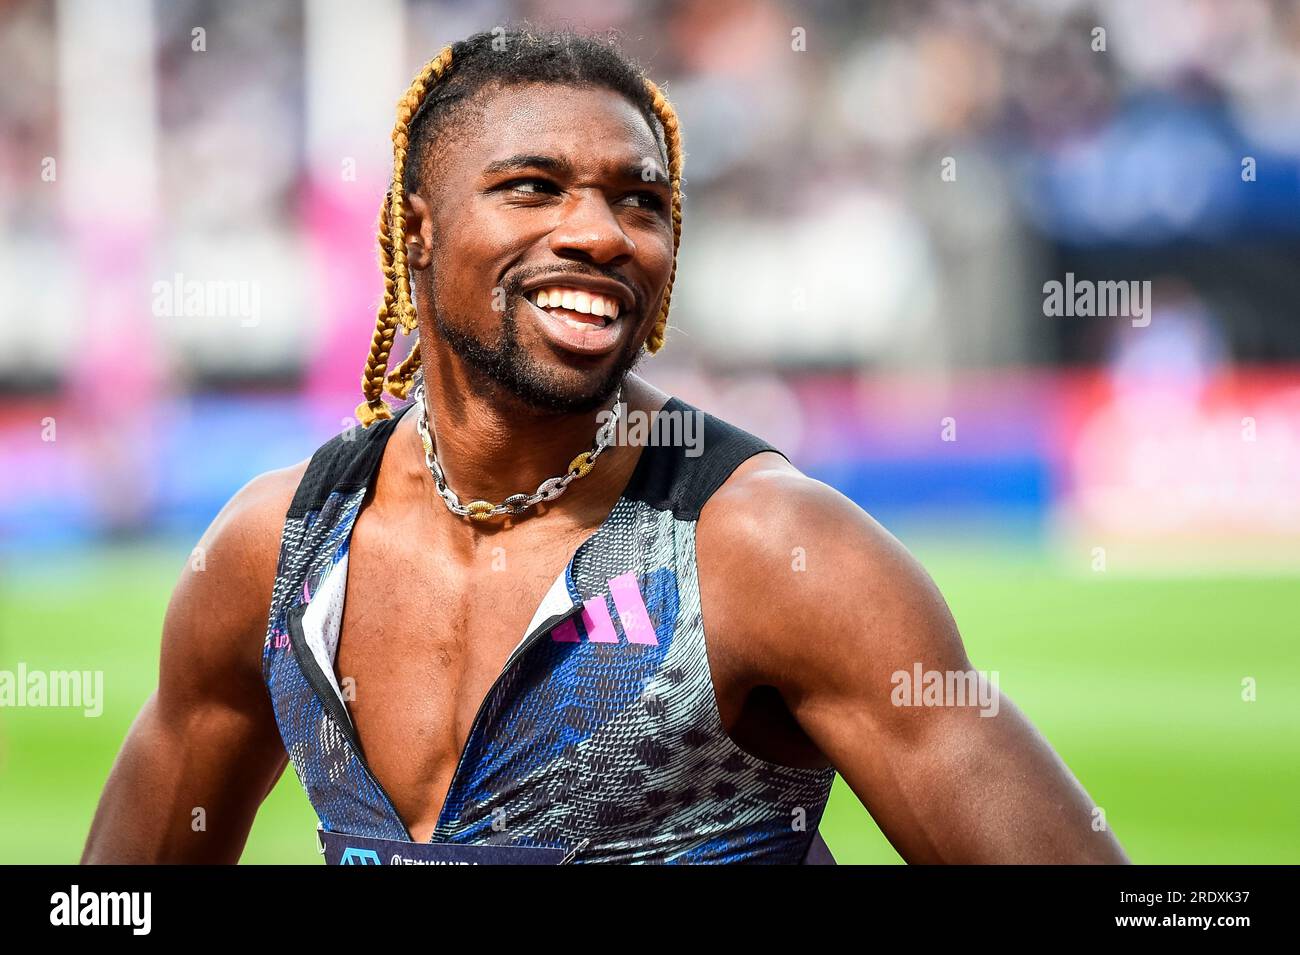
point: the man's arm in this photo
(206, 739)
(944, 783)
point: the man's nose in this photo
(589, 232)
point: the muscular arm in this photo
(206, 738)
(945, 784)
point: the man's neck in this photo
(492, 446)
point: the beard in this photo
(503, 362)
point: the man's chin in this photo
(540, 377)
(564, 392)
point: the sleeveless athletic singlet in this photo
(601, 735)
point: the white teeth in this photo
(580, 326)
(578, 300)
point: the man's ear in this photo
(419, 231)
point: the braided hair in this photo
(447, 82)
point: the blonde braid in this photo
(372, 378)
(396, 309)
(400, 381)
(673, 141)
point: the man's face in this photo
(551, 192)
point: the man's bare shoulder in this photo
(226, 586)
(782, 553)
(251, 522)
(771, 511)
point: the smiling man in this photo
(480, 626)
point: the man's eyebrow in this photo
(528, 161)
(558, 166)
(638, 171)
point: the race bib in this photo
(340, 848)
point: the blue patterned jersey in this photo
(601, 735)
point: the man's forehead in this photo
(560, 119)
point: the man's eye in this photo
(645, 200)
(532, 187)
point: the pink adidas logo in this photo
(632, 614)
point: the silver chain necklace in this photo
(515, 504)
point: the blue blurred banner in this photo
(1163, 459)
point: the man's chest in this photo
(419, 623)
(419, 649)
(425, 638)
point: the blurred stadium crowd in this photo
(876, 195)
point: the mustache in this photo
(514, 283)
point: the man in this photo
(536, 203)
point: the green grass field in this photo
(1136, 682)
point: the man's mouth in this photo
(579, 309)
(578, 321)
